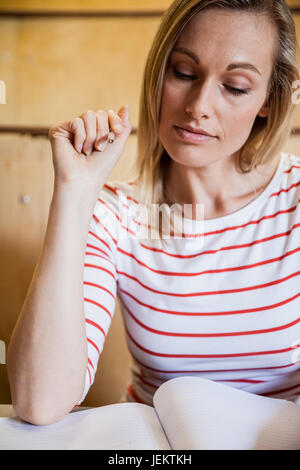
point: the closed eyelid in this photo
(185, 61)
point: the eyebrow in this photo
(237, 65)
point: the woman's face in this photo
(202, 92)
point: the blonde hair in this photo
(268, 135)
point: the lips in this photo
(196, 131)
(193, 137)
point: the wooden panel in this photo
(80, 5)
(26, 169)
(48, 5)
(293, 3)
(56, 69)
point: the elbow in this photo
(38, 416)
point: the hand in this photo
(80, 149)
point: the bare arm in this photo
(47, 353)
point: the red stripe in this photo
(86, 265)
(133, 393)
(209, 335)
(161, 371)
(215, 380)
(98, 249)
(98, 238)
(219, 231)
(275, 392)
(99, 287)
(93, 344)
(248, 381)
(117, 217)
(230, 312)
(288, 171)
(295, 185)
(193, 235)
(111, 188)
(103, 257)
(207, 356)
(104, 228)
(205, 234)
(100, 305)
(217, 292)
(209, 271)
(95, 325)
(116, 192)
(144, 381)
(90, 362)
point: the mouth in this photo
(193, 137)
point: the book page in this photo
(118, 426)
(198, 413)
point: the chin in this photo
(189, 158)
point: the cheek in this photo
(170, 97)
(239, 122)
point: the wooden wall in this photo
(58, 59)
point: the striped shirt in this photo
(222, 302)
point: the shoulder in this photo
(114, 200)
(116, 193)
(291, 165)
(290, 172)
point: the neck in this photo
(219, 186)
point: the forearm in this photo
(47, 354)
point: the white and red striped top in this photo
(228, 309)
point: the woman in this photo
(227, 311)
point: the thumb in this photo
(124, 115)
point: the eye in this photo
(182, 75)
(232, 90)
(237, 91)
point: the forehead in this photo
(225, 36)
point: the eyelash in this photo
(234, 91)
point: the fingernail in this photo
(101, 146)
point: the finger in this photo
(102, 130)
(78, 130)
(124, 115)
(90, 125)
(115, 122)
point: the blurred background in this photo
(58, 59)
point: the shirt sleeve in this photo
(99, 280)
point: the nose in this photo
(200, 101)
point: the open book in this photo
(188, 413)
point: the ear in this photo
(263, 112)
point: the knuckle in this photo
(76, 121)
(87, 116)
